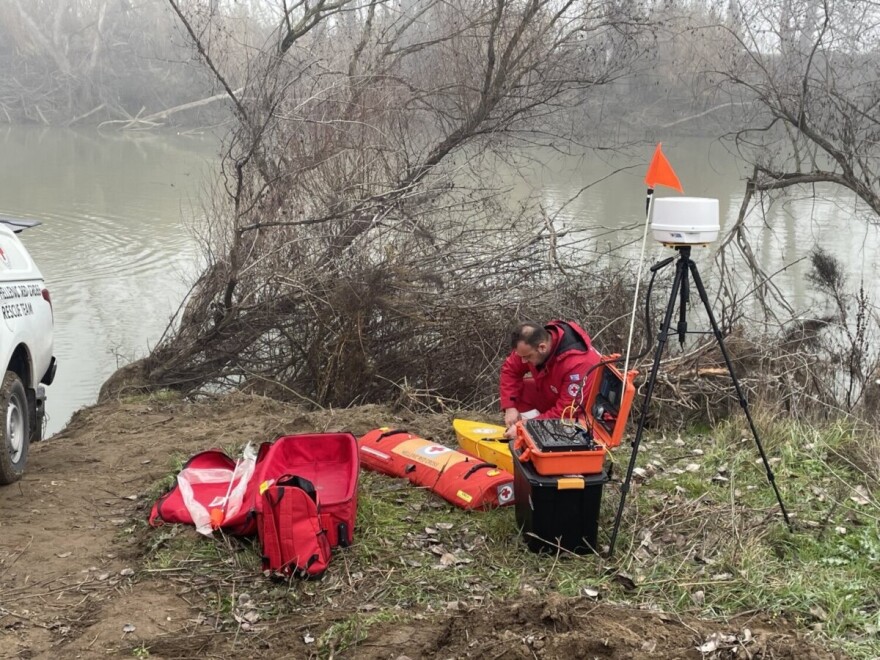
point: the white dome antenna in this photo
(685, 220)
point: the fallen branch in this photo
(87, 114)
(154, 119)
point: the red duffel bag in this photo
(463, 480)
(214, 491)
(208, 480)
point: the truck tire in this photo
(14, 428)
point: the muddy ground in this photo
(74, 581)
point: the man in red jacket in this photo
(545, 371)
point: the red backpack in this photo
(289, 526)
(330, 462)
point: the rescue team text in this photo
(14, 310)
(14, 291)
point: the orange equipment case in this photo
(605, 411)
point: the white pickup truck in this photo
(26, 339)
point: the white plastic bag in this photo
(223, 507)
(244, 468)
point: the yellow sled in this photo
(484, 441)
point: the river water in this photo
(781, 236)
(118, 257)
(113, 247)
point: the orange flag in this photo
(660, 172)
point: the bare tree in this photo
(361, 245)
(807, 77)
(810, 71)
(69, 61)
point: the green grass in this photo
(708, 542)
(162, 485)
(824, 577)
(140, 652)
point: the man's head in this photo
(532, 343)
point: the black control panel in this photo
(552, 435)
(606, 407)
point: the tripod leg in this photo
(739, 393)
(680, 274)
(683, 303)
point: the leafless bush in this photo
(362, 250)
(361, 246)
(821, 366)
(803, 73)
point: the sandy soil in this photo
(73, 584)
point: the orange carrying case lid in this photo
(608, 402)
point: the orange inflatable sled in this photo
(465, 481)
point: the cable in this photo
(569, 413)
(578, 401)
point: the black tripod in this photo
(680, 288)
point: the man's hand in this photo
(510, 433)
(511, 417)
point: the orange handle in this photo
(519, 441)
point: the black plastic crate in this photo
(559, 511)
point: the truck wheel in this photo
(14, 429)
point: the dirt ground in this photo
(73, 581)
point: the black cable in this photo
(648, 332)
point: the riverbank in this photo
(704, 561)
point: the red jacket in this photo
(559, 379)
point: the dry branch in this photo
(154, 119)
